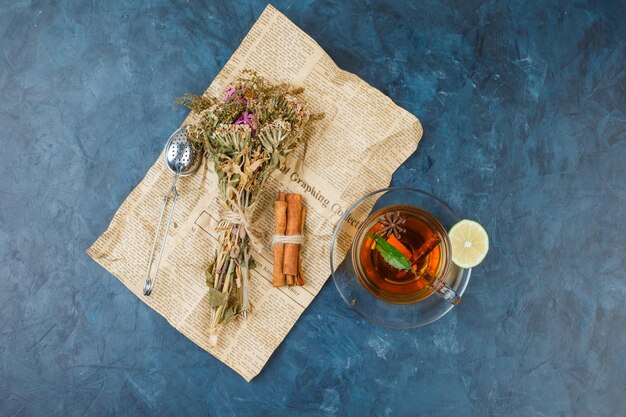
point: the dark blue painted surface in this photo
(523, 107)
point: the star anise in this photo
(392, 225)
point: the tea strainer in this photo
(182, 159)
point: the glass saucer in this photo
(356, 296)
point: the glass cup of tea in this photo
(397, 270)
(419, 238)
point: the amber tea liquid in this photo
(422, 240)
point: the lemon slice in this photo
(470, 243)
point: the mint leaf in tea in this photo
(390, 254)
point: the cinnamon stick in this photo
(280, 224)
(426, 248)
(300, 277)
(294, 218)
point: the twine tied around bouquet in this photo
(236, 214)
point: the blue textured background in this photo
(523, 107)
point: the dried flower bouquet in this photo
(247, 134)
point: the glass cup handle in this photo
(448, 294)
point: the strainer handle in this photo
(150, 281)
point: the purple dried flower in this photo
(247, 119)
(229, 93)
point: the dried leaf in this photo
(229, 314)
(217, 298)
(254, 166)
(209, 278)
(251, 264)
